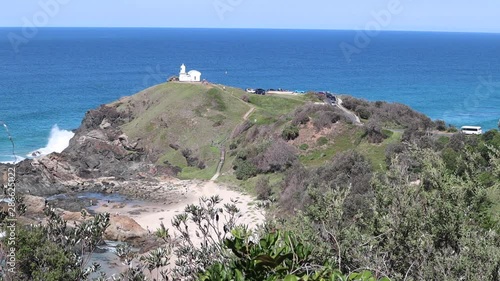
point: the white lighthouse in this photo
(191, 76)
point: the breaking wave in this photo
(58, 141)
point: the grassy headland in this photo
(398, 194)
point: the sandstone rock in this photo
(123, 228)
(105, 124)
(73, 216)
(34, 204)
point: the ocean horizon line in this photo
(253, 28)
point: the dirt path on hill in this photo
(353, 117)
(245, 117)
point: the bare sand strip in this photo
(151, 215)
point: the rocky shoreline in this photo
(99, 159)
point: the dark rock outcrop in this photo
(99, 149)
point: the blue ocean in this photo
(49, 80)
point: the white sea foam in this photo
(58, 141)
(18, 159)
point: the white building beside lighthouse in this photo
(191, 76)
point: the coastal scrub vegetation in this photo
(340, 221)
(425, 211)
(396, 198)
(221, 250)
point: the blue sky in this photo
(433, 15)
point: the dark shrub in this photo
(374, 133)
(245, 98)
(359, 200)
(173, 78)
(300, 118)
(244, 169)
(350, 103)
(441, 143)
(346, 171)
(379, 104)
(363, 112)
(290, 133)
(452, 160)
(174, 169)
(263, 188)
(304, 146)
(412, 134)
(186, 152)
(174, 146)
(440, 125)
(241, 129)
(457, 142)
(325, 119)
(279, 156)
(191, 160)
(391, 150)
(293, 195)
(252, 134)
(491, 135)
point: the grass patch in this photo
(261, 117)
(376, 152)
(217, 119)
(275, 105)
(175, 158)
(304, 146)
(321, 141)
(189, 173)
(269, 108)
(347, 141)
(214, 100)
(248, 186)
(318, 156)
(387, 133)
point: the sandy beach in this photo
(150, 215)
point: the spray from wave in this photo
(58, 141)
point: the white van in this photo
(471, 130)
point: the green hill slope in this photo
(186, 125)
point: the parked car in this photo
(260, 91)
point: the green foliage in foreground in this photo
(417, 221)
(277, 256)
(55, 251)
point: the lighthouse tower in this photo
(191, 76)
